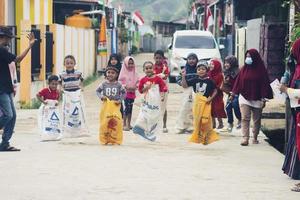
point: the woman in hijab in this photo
(253, 86)
(231, 70)
(216, 75)
(291, 165)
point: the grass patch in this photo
(34, 104)
(89, 80)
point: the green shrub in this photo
(89, 80)
(34, 104)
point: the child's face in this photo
(192, 61)
(227, 65)
(158, 59)
(53, 85)
(113, 61)
(130, 65)
(148, 69)
(202, 72)
(69, 64)
(111, 75)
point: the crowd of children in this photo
(203, 81)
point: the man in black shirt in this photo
(8, 119)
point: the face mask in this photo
(249, 61)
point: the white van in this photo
(184, 42)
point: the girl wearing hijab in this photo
(215, 74)
(114, 61)
(129, 79)
(291, 165)
(231, 70)
(184, 120)
(253, 86)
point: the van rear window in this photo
(195, 42)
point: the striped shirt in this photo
(70, 80)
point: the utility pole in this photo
(205, 9)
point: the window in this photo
(195, 42)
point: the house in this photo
(46, 19)
(167, 29)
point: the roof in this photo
(193, 32)
(179, 21)
(208, 1)
(163, 22)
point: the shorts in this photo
(128, 104)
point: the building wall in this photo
(7, 12)
(77, 42)
(36, 11)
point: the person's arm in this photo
(32, 40)
(291, 92)
(81, 82)
(99, 92)
(183, 80)
(214, 94)
(146, 87)
(162, 85)
(122, 93)
(40, 97)
(143, 86)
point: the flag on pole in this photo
(102, 48)
(209, 21)
(220, 21)
(120, 9)
(194, 13)
(137, 17)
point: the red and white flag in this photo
(194, 13)
(209, 21)
(137, 17)
(220, 21)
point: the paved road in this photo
(171, 168)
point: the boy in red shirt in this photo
(161, 69)
(150, 78)
(51, 92)
(146, 123)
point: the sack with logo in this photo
(49, 121)
(148, 118)
(203, 131)
(185, 116)
(74, 120)
(111, 124)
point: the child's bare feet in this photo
(126, 129)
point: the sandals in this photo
(255, 142)
(245, 143)
(296, 188)
(10, 148)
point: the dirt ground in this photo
(171, 168)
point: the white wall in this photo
(253, 33)
(77, 42)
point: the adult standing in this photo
(291, 165)
(8, 119)
(253, 86)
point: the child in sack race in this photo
(161, 69)
(49, 116)
(74, 120)
(205, 91)
(153, 88)
(111, 93)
